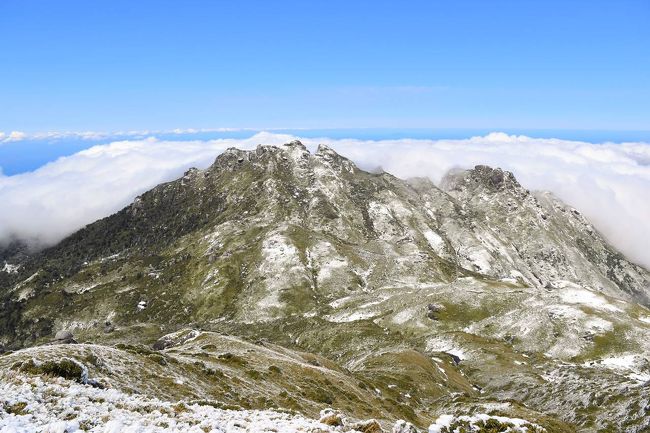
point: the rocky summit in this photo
(280, 287)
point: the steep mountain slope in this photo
(538, 234)
(435, 299)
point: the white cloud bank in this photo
(609, 183)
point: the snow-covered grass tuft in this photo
(483, 423)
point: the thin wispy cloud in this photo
(608, 182)
(12, 136)
(15, 136)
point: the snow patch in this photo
(80, 289)
(281, 269)
(325, 259)
(439, 345)
(340, 302)
(599, 325)
(574, 294)
(633, 366)
(351, 317)
(436, 243)
(9, 268)
(404, 316)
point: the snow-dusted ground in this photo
(630, 365)
(60, 406)
(30, 404)
(571, 293)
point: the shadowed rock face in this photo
(411, 289)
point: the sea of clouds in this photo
(608, 182)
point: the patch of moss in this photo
(612, 341)
(254, 374)
(491, 425)
(161, 360)
(231, 358)
(136, 349)
(180, 407)
(65, 368)
(16, 408)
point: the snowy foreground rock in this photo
(34, 404)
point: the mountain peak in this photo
(481, 176)
(296, 144)
(230, 158)
(494, 178)
(330, 155)
(324, 150)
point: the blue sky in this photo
(120, 65)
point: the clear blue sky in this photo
(115, 65)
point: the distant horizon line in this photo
(18, 135)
